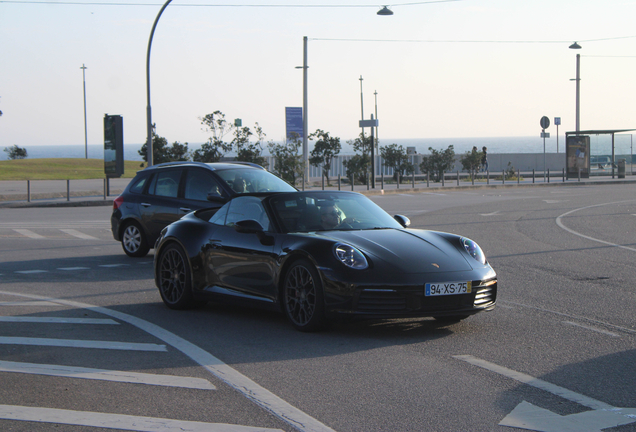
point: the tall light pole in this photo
(148, 110)
(575, 45)
(305, 117)
(83, 68)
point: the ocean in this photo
(600, 145)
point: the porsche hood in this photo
(412, 251)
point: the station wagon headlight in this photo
(474, 250)
(351, 257)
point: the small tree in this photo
(247, 151)
(395, 156)
(289, 164)
(215, 148)
(439, 161)
(178, 152)
(359, 164)
(325, 149)
(160, 151)
(16, 152)
(471, 161)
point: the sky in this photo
(444, 69)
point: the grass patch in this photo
(60, 169)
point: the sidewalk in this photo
(60, 193)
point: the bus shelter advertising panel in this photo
(578, 156)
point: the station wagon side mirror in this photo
(216, 198)
(402, 220)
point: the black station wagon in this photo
(163, 193)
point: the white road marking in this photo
(77, 343)
(118, 421)
(113, 265)
(559, 222)
(254, 392)
(535, 382)
(106, 375)
(56, 320)
(595, 329)
(29, 233)
(528, 416)
(57, 225)
(552, 201)
(491, 214)
(73, 268)
(30, 303)
(78, 234)
(31, 271)
(578, 318)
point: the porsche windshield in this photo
(329, 211)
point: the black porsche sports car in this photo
(318, 255)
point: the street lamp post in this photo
(305, 117)
(83, 68)
(148, 110)
(575, 45)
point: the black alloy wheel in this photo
(174, 279)
(303, 297)
(134, 241)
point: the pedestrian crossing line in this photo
(73, 268)
(56, 320)
(78, 234)
(76, 343)
(107, 375)
(29, 233)
(118, 421)
(30, 271)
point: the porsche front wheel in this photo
(303, 297)
(174, 279)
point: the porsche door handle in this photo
(145, 204)
(185, 210)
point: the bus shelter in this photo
(577, 151)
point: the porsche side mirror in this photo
(249, 226)
(402, 220)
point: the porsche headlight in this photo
(351, 257)
(474, 250)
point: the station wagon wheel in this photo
(173, 278)
(303, 297)
(134, 241)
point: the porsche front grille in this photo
(485, 293)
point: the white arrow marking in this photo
(528, 416)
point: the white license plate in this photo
(448, 288)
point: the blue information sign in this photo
(294, 122)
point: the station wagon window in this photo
(138, 187)
(166, 184)
(199, 184)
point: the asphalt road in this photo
(558, 353)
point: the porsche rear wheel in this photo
(174, 279)
(303, 298)
(134, 241)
